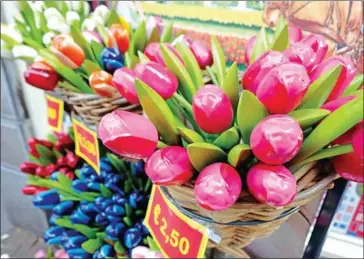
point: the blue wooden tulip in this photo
(88, 208)
(79, 186)
(107, 251)
(137, 168)
(46, 200)
(92, 186)
(113, 219)
(111, 59)
(78, 217)
(115, 210)
(73, 242)
(52, 219)
(71, 233)
(105, 204)
(78, 253)
(114, 178)
(105, 160)
(143, 229)
(119, 198)
(54, 176)
(132, 238)
(113, 187)
(95, 178)
(101, 220)
(64, 208)
(115, 231)
(105, 167)
(53, 235)
(86, 171)
(136, 199)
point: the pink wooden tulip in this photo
(318, 45)
(212, 109)
(276, 139)
(335, 104)
(153, 52)
(217, 187)
(159, 78)
(347, 74)
(124, 81)
(260, 67)
(358, 140)
(249, 48)
(202, 54)
(128, 134)
(350, 167)
(272, 184)
(294, 33)
(302, 54)
(283, 87)
(169, 166)
(92, 36)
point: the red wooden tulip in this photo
(272, 184)
(153, 52)
(358, 140)
(212, 109)
(217, 187)
(347, 74)
(42, 172)
(318, 45)
(41, 75)
(276, 139)
(128, 134)
(169, 166)
(124, 81)
(159, 78)
(282, 89)
(302, 54)
(118, 38)
(28, 167)
(32, 189)
(101, 83)
(260, 67)
(350, 167)
(67, 51)
(249, 48)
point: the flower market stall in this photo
(170, 151)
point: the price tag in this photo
(87, 145)
(55, 113)
(177, 235)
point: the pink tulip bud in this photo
(259, 68)
(276, 139)
(212, 109)
(249, 48)
(335, 104)
(272, 184)
(294, 33)
(140, 252)
(128, 134)
(92, 36)
(124, 81)
(202, 54)
(169, 166)
(159, 78)
(358, 140)
(302, 54)
(154, 22)
(347, 74)
(217, 187)
(318, 45)
(283, 87)
(153, 52)
(350, 167)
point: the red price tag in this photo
(55, 113)
(177, 235)
(87, 145)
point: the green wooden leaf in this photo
(167, 33)
(102, 32)
(308, 117)
(29, 18)
(250, 112)
(227, 139)
(238, 154)
(119, 248)
(78, 173)
(154, 36)
(115, 161)
(64, 181)
(140, 37)
(260, 46)
(43, 151)
(158, 112)
(64, 222)
(90, 66)
(175, 66)
(131, 60)
(85, 230)
(82, 42)
(97, 48)
(219, 60)
(128, 221)
(33, 159)
(192, 65)
(203, 154)
(113, 18)
(42, 22)
(143, 58)
(91, 245)
(128, 210)
(52, 138)
(327, 153)
(152, 244)
(63, 8)
(281, 39)
(357, 93)
(67, 73)
(231, 85)
(333, 126)
(320, 89)
(105, 192)
(355, 84)
(189, 135)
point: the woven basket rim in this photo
(235, 223)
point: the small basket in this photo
(248, 219)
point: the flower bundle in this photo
(97, 216)
(292, 108)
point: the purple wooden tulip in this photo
(276, 139)
(124, 81)
(217, 187)
(318, 45)
(128, 134)
(169, 166)
(347, 74)
(212, 109)
(282, 89)
(159, 78)
(273, 185)
(302, 54)
(260, 67)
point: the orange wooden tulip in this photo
(67, 51)
(101, 83)
(118, 38)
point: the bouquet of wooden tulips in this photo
(293, 107)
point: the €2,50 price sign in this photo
(55, 109)
(177, 235)
(87, 145)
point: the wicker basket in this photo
(248, 220)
